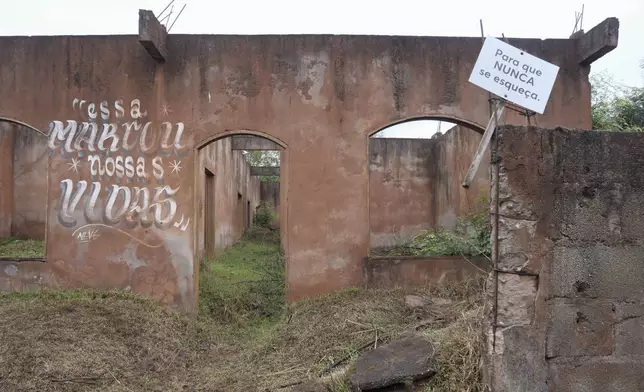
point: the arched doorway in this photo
(216, 159)
(241, 214)
(416, 167)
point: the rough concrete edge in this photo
(496, 377)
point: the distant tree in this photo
(264, 158)
(615, 107)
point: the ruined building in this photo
(130, 122)
(135, 133)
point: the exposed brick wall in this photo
(570, 309)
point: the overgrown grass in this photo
(263, 234)
(246, 338)
(17, 248)
(470, 237)
(244, 285)
(264, 215)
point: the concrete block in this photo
(516, 297)
(632, 224)
(152, 35)
(513, 200)
(518, 362)
(598, 272)
(598, 41)
(589, 213)
(516, 239)
(599, 158)
(629, 337)
(597, 375)
(606, 213)
(252, 143)
(629, 329)
(628, 310)
(579, 329)
(264, 171)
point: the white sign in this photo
(514, 75)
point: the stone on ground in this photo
(414, 301)
(402, 361)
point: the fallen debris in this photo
(402, 361)
(414, 301)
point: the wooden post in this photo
(499, 108)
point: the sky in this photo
(513, 18)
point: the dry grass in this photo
(17, 248)
(87, 341)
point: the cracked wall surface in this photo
(319, 96)
(566, 305)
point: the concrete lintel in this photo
(598, 41)
(250, 143)
(264, 170)
(152, 35)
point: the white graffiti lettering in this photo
(87, 235)
(120, 166)
(121, 163)
(122, 201)
(76, 138)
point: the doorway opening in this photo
(417, 206)
(242, 272)
(24, 177)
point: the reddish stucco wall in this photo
(458, 147)
(270, 193)
(231, 179)
(320, 97)
(415, 184)
(30, 168)
(404, 271)
(25, 156)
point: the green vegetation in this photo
(264, 215)
(244, 285)
(471, 236)
(615, 107)
(264, 158)
(16, 248)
